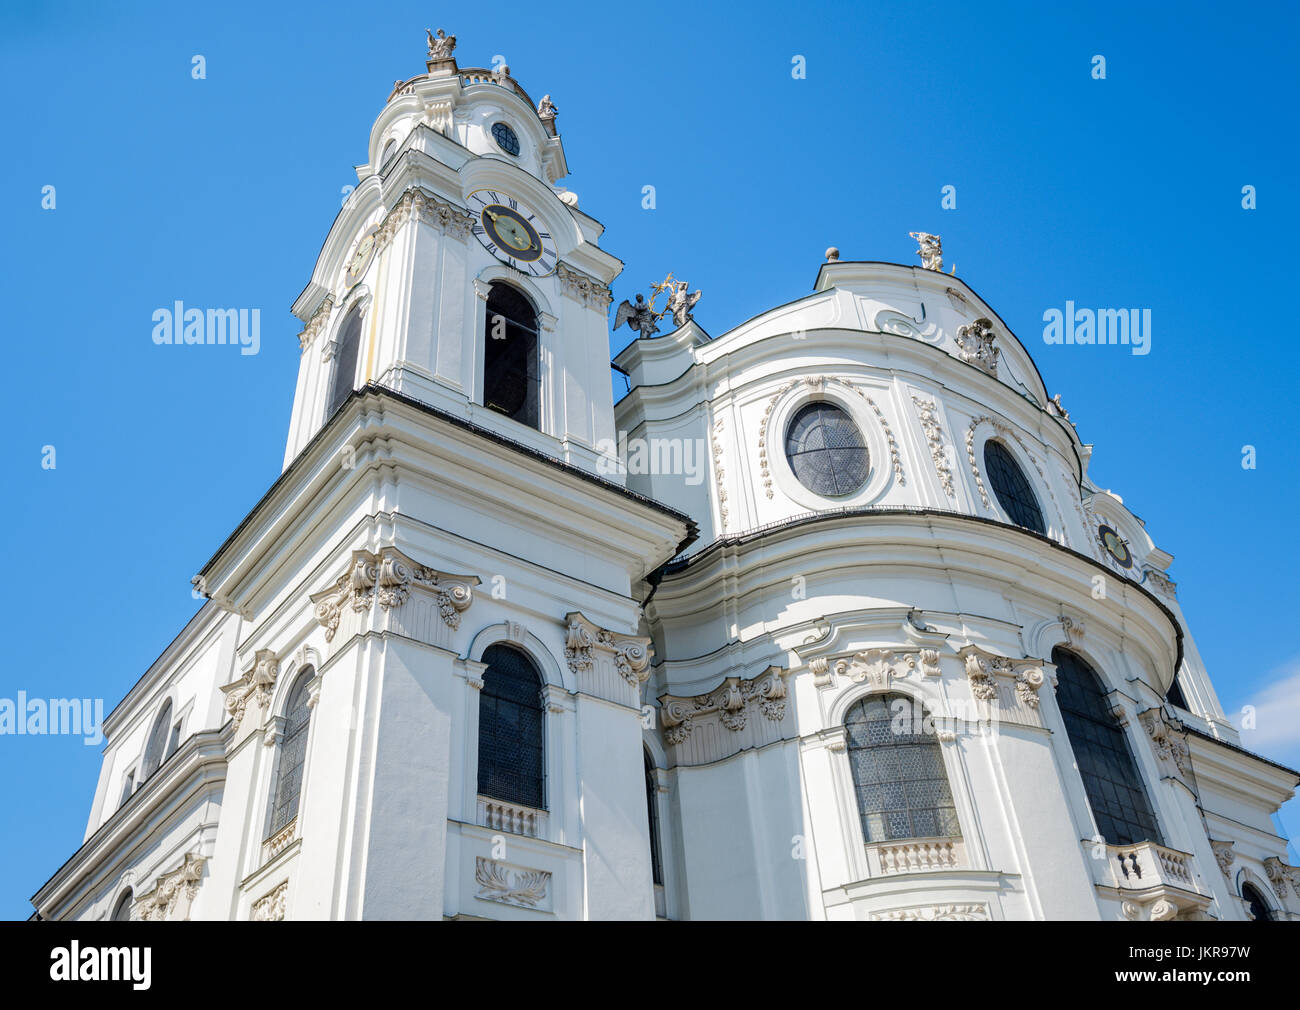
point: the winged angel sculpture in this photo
(642, 316)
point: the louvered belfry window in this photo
(510, 729)
(510, 358)
(345, 363)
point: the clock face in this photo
(361, 258)
(513, 233)
(1115, 546)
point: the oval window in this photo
(826, 451)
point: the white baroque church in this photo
(895, 656)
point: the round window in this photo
(826, 451)
(505, 138)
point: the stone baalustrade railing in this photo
(513, 818)
(915, 855)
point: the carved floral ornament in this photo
(878, 667)
(172, 896)
(731, 701)
(631, 654)
(1168, 738)
(975, 912)
(583, 287)
(387, 578)
(1223, 855)
(271, 906)
(1280, 874)
(316, 323)
(497, 882)
(983, 668)
(254, 687)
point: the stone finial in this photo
(832, 255)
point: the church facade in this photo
(824, 619)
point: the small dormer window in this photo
(506, 139)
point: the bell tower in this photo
(459, 274)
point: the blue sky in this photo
(1117, 193)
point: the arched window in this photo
(898, 772)
(1256, 907)
(122, 910)
(1110, 776)
(389, 149)
(293, 754)
(1012, 489)
(826, 451)
(510, 359)
(510, 729)
(345, 360)
(153, 751)
(652, 805)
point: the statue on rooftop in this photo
(930, 251)
(441, 45)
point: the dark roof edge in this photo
(374, 389)
(810, 518)
(1242, 750)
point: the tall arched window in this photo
(510, 358)
(153, 751)
(1012, 489)
(1111, 779)
(345, 360)
(652, 805)
(122, 910)
(510, 729)
(293, 753)
(898, 773)
(1256, 907)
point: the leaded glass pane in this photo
(1116, 792)
(826, 451)
(1012, 489)
(898, 775)
(510, 728)
(293, 753)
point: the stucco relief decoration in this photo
(930, 662)
(979, 673)
(1159, 581)
(253, 687)
(895, 459)
(935, 913)
(1280, 874)
(1223, 855)
(583, 287)
(731, 702)
(1167, 738)
(928, 410)
(387, 577)
(983, 667)
(1160, 910)
(719, 471)
(877, 667)
(765, 474)
(975, 345)
(316, 323)
(171, 897)
(270, 907)
(416, 204)
(630, 654)
(497, 882)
